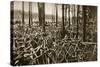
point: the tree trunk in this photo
(84, 22)
(30, 14)
(53, 14)
(74, 14)
(11, 34)
(66, 15)
(77, 20)
(23, 13)
(69, 15)
(41, 9)
(39, 13)
(43, 20)
(63, 28)
(56, 16)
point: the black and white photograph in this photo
(52, 33)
